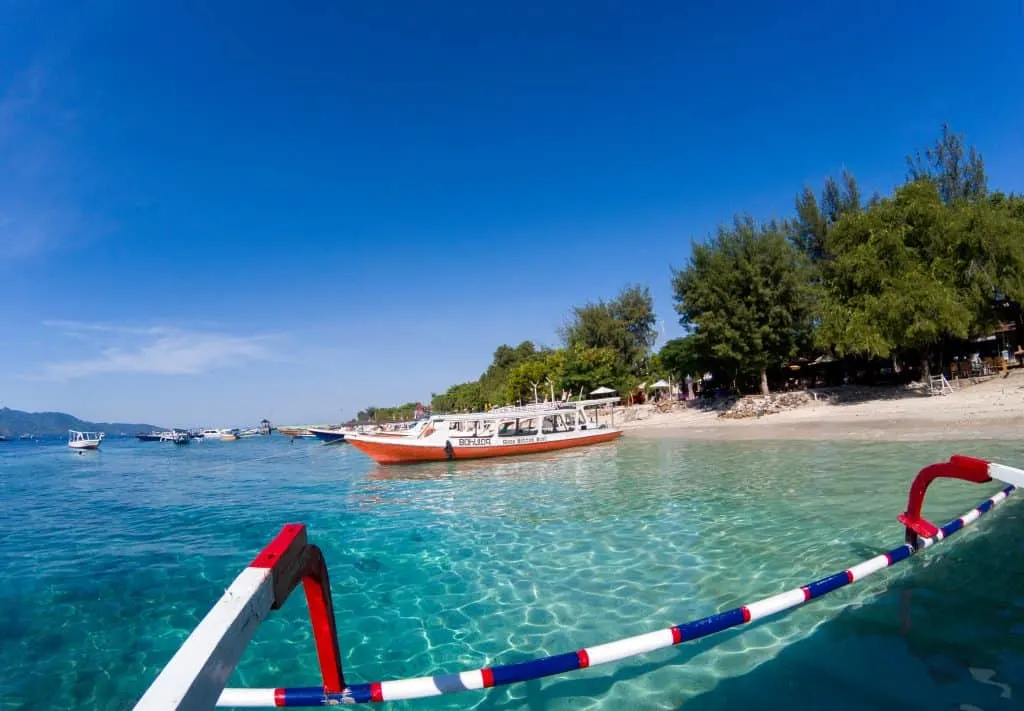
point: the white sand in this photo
(992, 409)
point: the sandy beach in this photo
(990, 409)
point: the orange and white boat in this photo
(522, 430)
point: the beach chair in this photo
(940, 386)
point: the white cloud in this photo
(155, 350)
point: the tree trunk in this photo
(764, 381)
(925, 367)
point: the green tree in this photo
(747, 297)
(896, 281)
(626, 325)
(589, 368)
(957, 170)
(461, 398)
(809, 229)
(536, 377)
(680, 357)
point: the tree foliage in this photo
(606, 343)
(589, 368)
(957, 171)
(625, 325)
(914, 269)
(893, 275)
(891, 282)
(684, 356)
(808, 230)
(746, 294)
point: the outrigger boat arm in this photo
(196, 676)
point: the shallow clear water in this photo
(109, 559)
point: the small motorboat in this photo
(176, 437)
(84, 440)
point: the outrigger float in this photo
(196, 676)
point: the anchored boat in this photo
(499, 433)
(329, 435)
(84, 440)
(195, 678)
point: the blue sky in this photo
(216, 212)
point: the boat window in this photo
(525, 428)
(556, 423)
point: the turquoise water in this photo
(109, 559)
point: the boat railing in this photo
(531, 410)
(196, 676)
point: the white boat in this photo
(543, 427)
(84, 440)
(214, 434)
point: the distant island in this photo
(14, 423)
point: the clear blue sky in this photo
(215, 212)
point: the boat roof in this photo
(535, 410)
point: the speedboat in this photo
(526, 430)
(84, 440)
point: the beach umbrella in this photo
(602, 391)
(660, 384)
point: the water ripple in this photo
(110, 560)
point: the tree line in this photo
(894, 276)
(607, 343)
(897, 276)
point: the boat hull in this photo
(328, 436)
(148, 437)
(84, 445)
(397, 452)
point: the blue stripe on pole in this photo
(898, 554)
(952, 527)
(535, 668)
(304, 696)
(358, 693)
(985, 506)
(1010, 489)
(710, 625)
(827, 585)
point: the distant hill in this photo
(14, 423)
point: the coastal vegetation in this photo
(898, 277)
(607, 343)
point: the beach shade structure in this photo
(602, 391)
(660, 384)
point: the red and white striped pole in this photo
(199, 671)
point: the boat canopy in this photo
(524, 411)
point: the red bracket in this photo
(958, 467)
(292, 560)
